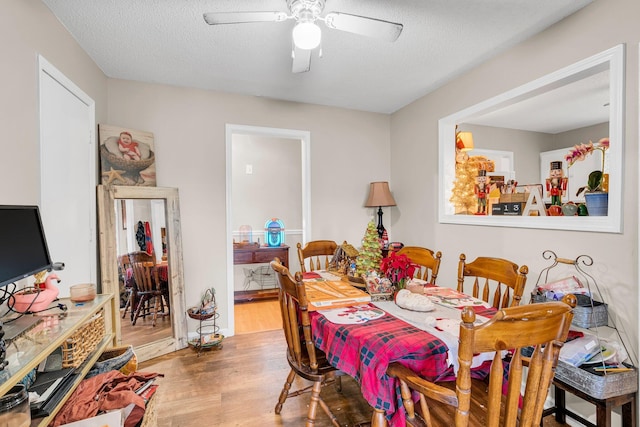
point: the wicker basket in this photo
(124, 164)
(122, 359)
(150, 418)
(83, 341)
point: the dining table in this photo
(362, 340)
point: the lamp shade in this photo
(464, 141)
(306, 35)
(380, 195)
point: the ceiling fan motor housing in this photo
(306, 10)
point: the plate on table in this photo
(606, 354)
(353, 315)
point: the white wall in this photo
(349, 149)
(27, 28)
(272, 189)
(526, 147)
(414, 141)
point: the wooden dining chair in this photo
(428, 261)
(124, 264)
(317, 254)
(146, 291)
(496, 276)
(540, 327)
(305, 360)
(125, 271)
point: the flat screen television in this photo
(23, 246)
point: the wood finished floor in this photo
(257, 316)
(239, 384)
(143, 332)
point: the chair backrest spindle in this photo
(497, 281)
(317, 254)
(428, 260)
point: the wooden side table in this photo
(253, 254)
(628, 402)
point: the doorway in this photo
(268, 179)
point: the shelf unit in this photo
(604, 391)
(27, 351)
(207, 335)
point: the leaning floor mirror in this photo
(143, 223)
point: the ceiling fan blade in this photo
(370, 27)
(301, 60)
(217, 18)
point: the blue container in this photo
(597, 204)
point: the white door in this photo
(68, 182)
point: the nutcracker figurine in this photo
(482, 190)
(556, 183)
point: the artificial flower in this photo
(398, 267)
(580, 152)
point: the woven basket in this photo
(83, 341)
(195, 313)
(121, 359)
(124, 164)
(150, 418)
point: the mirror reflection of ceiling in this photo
(575, 105)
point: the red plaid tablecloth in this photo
(364, 351)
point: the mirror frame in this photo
(106, 197)
(612, 223)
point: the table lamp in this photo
(380, 195)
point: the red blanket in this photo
(102, 393)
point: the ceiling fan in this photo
(306, 33)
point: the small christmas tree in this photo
(463, 194)
(371, 252)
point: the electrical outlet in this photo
(249, 169)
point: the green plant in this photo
(594, 183)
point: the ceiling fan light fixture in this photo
(306, 35)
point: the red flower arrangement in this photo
(398, 269)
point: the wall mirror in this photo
(588, 94)
(120, 208)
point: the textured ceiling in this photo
(168, 42)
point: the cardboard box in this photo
(514, 198)
(333, 294)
